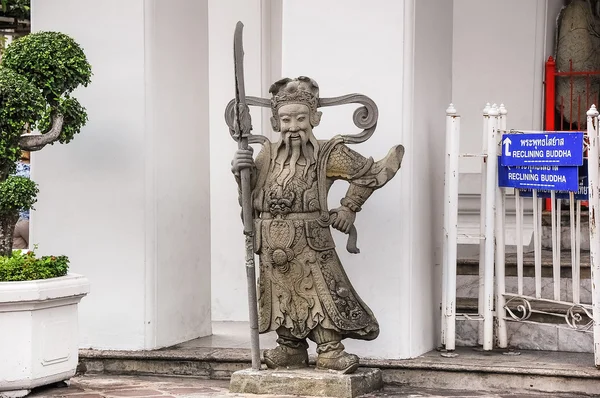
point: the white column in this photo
(229, 292)
(128, 199)
(432, 91)
(388, 51)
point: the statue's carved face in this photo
(297, 143)
(294, 120)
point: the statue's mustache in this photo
(295, 134)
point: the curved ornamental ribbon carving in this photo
(364, 117)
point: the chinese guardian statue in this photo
(303, 291)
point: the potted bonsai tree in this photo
(38, 297)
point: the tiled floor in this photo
(166, 387)
(133, 386)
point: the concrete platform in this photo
(309, 382)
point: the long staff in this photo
(242, 127)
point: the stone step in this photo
(467, 282)
(540, 337)
(565, 231)
(541, 331)
(469, 264)
(565, 216)
(530, 372)
(467, 286)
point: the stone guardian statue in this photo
(303, 290)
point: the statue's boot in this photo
(331, 352)
(338, 360)
(290, 354)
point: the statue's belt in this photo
(314, 215)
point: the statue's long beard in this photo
(286, 149)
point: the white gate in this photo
(496, 305)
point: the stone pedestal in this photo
(309, 382)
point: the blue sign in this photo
(542, 149)
(581, 194)
(552, 178)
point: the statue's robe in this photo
(302, 283)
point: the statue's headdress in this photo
(302, 90)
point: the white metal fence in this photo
(498, 304)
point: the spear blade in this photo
(242, 120)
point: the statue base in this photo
(308, 381)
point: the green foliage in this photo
(52, 64)
(16, 194)
(75, 118)
(52, 61)
(16, 9)
(20, 104)
(26, 267)
(38, 73)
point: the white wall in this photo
(128, 199)
(431, 96)
(499, 49)
(357, 65)
(229, 290)
(553, 8)
(358, 50)
(364, 50)
(177, 110)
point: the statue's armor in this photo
(302, 283)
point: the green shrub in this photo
(38, 74)
(21, 104)
(56, 65)
(75, 118)
(24, 266)
(52, 61)
(17, 194)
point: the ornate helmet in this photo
(302, 90)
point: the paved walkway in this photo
(105, 386)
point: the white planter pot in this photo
(39, 333)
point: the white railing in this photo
(594, 220)
(496, 303)
(448, 334)
(491, 116)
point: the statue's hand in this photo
(344, 219)
(242, 160)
